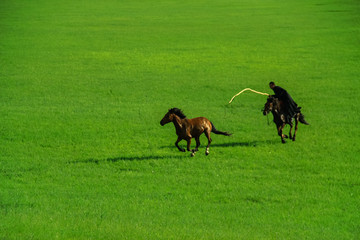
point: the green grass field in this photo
(84, 85)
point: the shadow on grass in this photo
(243, 144)
(233, 144)
(132, 158)
(158, 157)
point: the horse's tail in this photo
(302, 119)
(214, 130)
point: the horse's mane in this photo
(177, 112)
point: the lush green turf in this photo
(84, 84)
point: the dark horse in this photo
(190, 128)
(276, 107)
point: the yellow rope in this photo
(249, 90)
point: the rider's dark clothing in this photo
(291, 108)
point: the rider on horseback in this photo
(290, 106)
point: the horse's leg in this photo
(282, 123)
(177, 145)
(291, 127)
(207, 134)
(283, 136)
(280, 129)
(296, 126)
(197, 146)
(197, 143)
(189, 145)
(188, 140)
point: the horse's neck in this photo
(278, 112)
(277, 107)
(178, 123)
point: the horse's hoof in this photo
(192, 154)
(207, 153)
(283, 141)
(182, 150)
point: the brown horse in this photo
(276, 107)
(190, 128)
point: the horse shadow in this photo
(125, 158)
(160, 157)
(235, 144)
(244, 144)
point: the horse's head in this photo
(169, 116)
(269, 105)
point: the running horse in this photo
(276, 107)
(186, 129)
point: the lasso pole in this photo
(248, 89)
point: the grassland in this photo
(84, 84)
